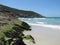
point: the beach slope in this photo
(44, 35)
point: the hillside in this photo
(11, 29)
(18, 13)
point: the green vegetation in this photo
(13, 34)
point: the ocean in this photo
(48, 21)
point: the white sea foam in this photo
(39, 18)
(40, 22)
(42, 18)
(46, 25)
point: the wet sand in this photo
(44, 35)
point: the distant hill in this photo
(15, 13)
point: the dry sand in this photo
(44, 35)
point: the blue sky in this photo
(48, 8)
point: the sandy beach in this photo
(44, 35)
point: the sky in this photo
(48, 8)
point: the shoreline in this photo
(44, 35)
(46, 25)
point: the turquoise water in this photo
(50, 21)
